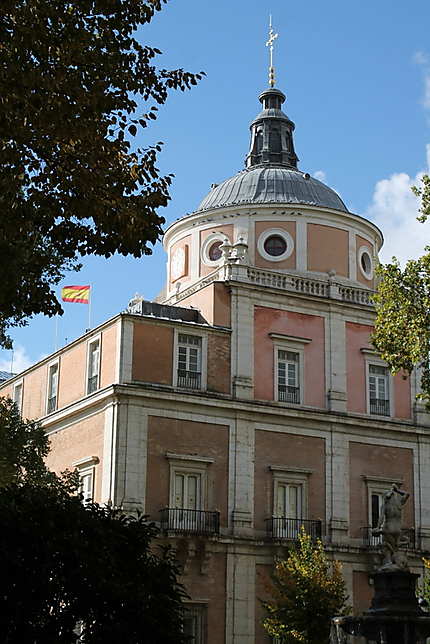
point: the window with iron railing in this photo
(186, 521)
(189, 361)
(51, 404)
(17, 396)
(379, 392)
(288, 376)
(93, 366)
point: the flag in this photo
(80, 294)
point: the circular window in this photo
(275, 244)
(214, 252)
(211, 253)
(365, 262)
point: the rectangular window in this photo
(86, 485)
(17, 396)
(379, 397)
(288, 376)
(189, 361)
(195, 623)
(93, 366)
(188, 491)
(289, 511)
(52, 388)
(289, 500)
(375, 510)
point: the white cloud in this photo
(421, 58)
(426, 97)
(320, 175)
(16, 362)
(394, 209)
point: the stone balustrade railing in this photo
(240, 272)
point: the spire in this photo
(272, 130)
(269, 44)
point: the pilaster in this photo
(337, 486)
(242, 344)
(131, 457)
(422, 492)
(336, 356)
(243, 491)
(240, 601)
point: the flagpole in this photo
(89, 307)
(56, 332)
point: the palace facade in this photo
(248, 400)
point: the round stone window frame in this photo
(206, 246)
(362, 251)
(272, 232)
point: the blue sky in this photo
(357, 79)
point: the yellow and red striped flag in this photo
(80, 294)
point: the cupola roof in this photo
(271, 175)
(272, 184)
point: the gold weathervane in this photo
(269, 43)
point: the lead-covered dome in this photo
(269, 184)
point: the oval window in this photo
(275, 245)
(366, 263)
(215, 251)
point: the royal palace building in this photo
(248, 400)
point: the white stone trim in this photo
(189, 458)
(301, 244)
(49, 366)
(16, 385)
(352, 256)
(204, 251)
(126, 357)
(199, 468)
(301, 366)
(194, 255)
(109, 454)
(286, 476)
(365, 250)
(290, 339)
(87, 461)
(279, 232)
(291, 470)
(372, 358)
(90, 342)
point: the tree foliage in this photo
(424, 588)
(73, 79)
(402, 301)
(65, 564)
(23, 447)
(307, 592)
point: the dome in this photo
(272, 185)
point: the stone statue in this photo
(390, 527)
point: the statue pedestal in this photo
(394, 593)
(394, 616)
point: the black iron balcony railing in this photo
(52, 404)
(283, 528)
(379, 407)
(375, 540)
(288, 394)
(189, 379)
(185, 521)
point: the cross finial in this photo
(269, 43)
